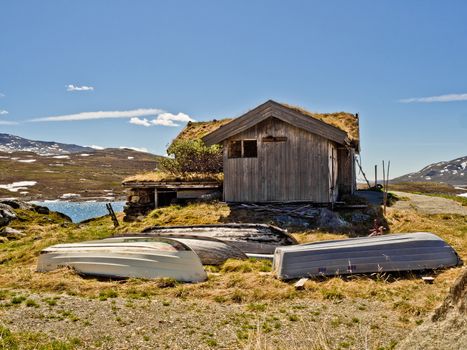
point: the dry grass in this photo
(235, 281)
(196, 130)
(248, 283)
(160, 176)
(342, 120)
(424, 188)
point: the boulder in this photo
(291, 221)
(331, 220)
(12, 233)
(6, 214)
(41, 210)
(15, 204)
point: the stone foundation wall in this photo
(139, 203)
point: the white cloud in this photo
(2, 95)
(164, 119)
(7, 122)
(161, 117)
(440, 98)
(137, 149)
(72, 87)
(138, 121)
(3, 112)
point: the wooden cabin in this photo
(278, 153)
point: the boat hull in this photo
(388, 253)
(124, 260)
(248, 238)
(210, 251)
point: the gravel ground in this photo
(428, 204)
(120, 323)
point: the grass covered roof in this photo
(344, 121)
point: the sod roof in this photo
(344, 121)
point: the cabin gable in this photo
(273, 109)
(287, 164)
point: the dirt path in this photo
(428, 204)
(154, 323)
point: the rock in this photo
(3, 239)
(291, 221)
(15, 204)
(41, 210)
(11, 233)
(6, 214)
(64, 216)
(360, 217)
(331, 219)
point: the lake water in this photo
(79, 211)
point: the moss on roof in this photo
(342, 120)
(160, 176)
(196, 130)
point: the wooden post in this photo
(384, 190)
(376, 175)
(155, 199)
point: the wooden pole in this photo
(376, 175)
(387, 180)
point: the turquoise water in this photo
(79, 211)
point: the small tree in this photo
(192, 156)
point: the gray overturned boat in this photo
(393, 252)
(211, 251)
(125, 257)
(249, 238)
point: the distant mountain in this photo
(82, 176)
(453, 172)
(37, 170)
(11, 143)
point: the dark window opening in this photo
(166, 198)
(274, 139)
(250, 149)
(235, 149)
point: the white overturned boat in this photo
(249, 238)
(393, 252)
(126, 257)
(211, 251)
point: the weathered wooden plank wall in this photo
(295, 169)
(346, 177)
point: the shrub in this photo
(192, 156)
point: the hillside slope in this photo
(92, 175)
(452, 172)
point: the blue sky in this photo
(167, 62)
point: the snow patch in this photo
(61, 157)
(84, 154)
(70, 195)
(131, 157)
(19, 185)
(463, 195)
(26, 160)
